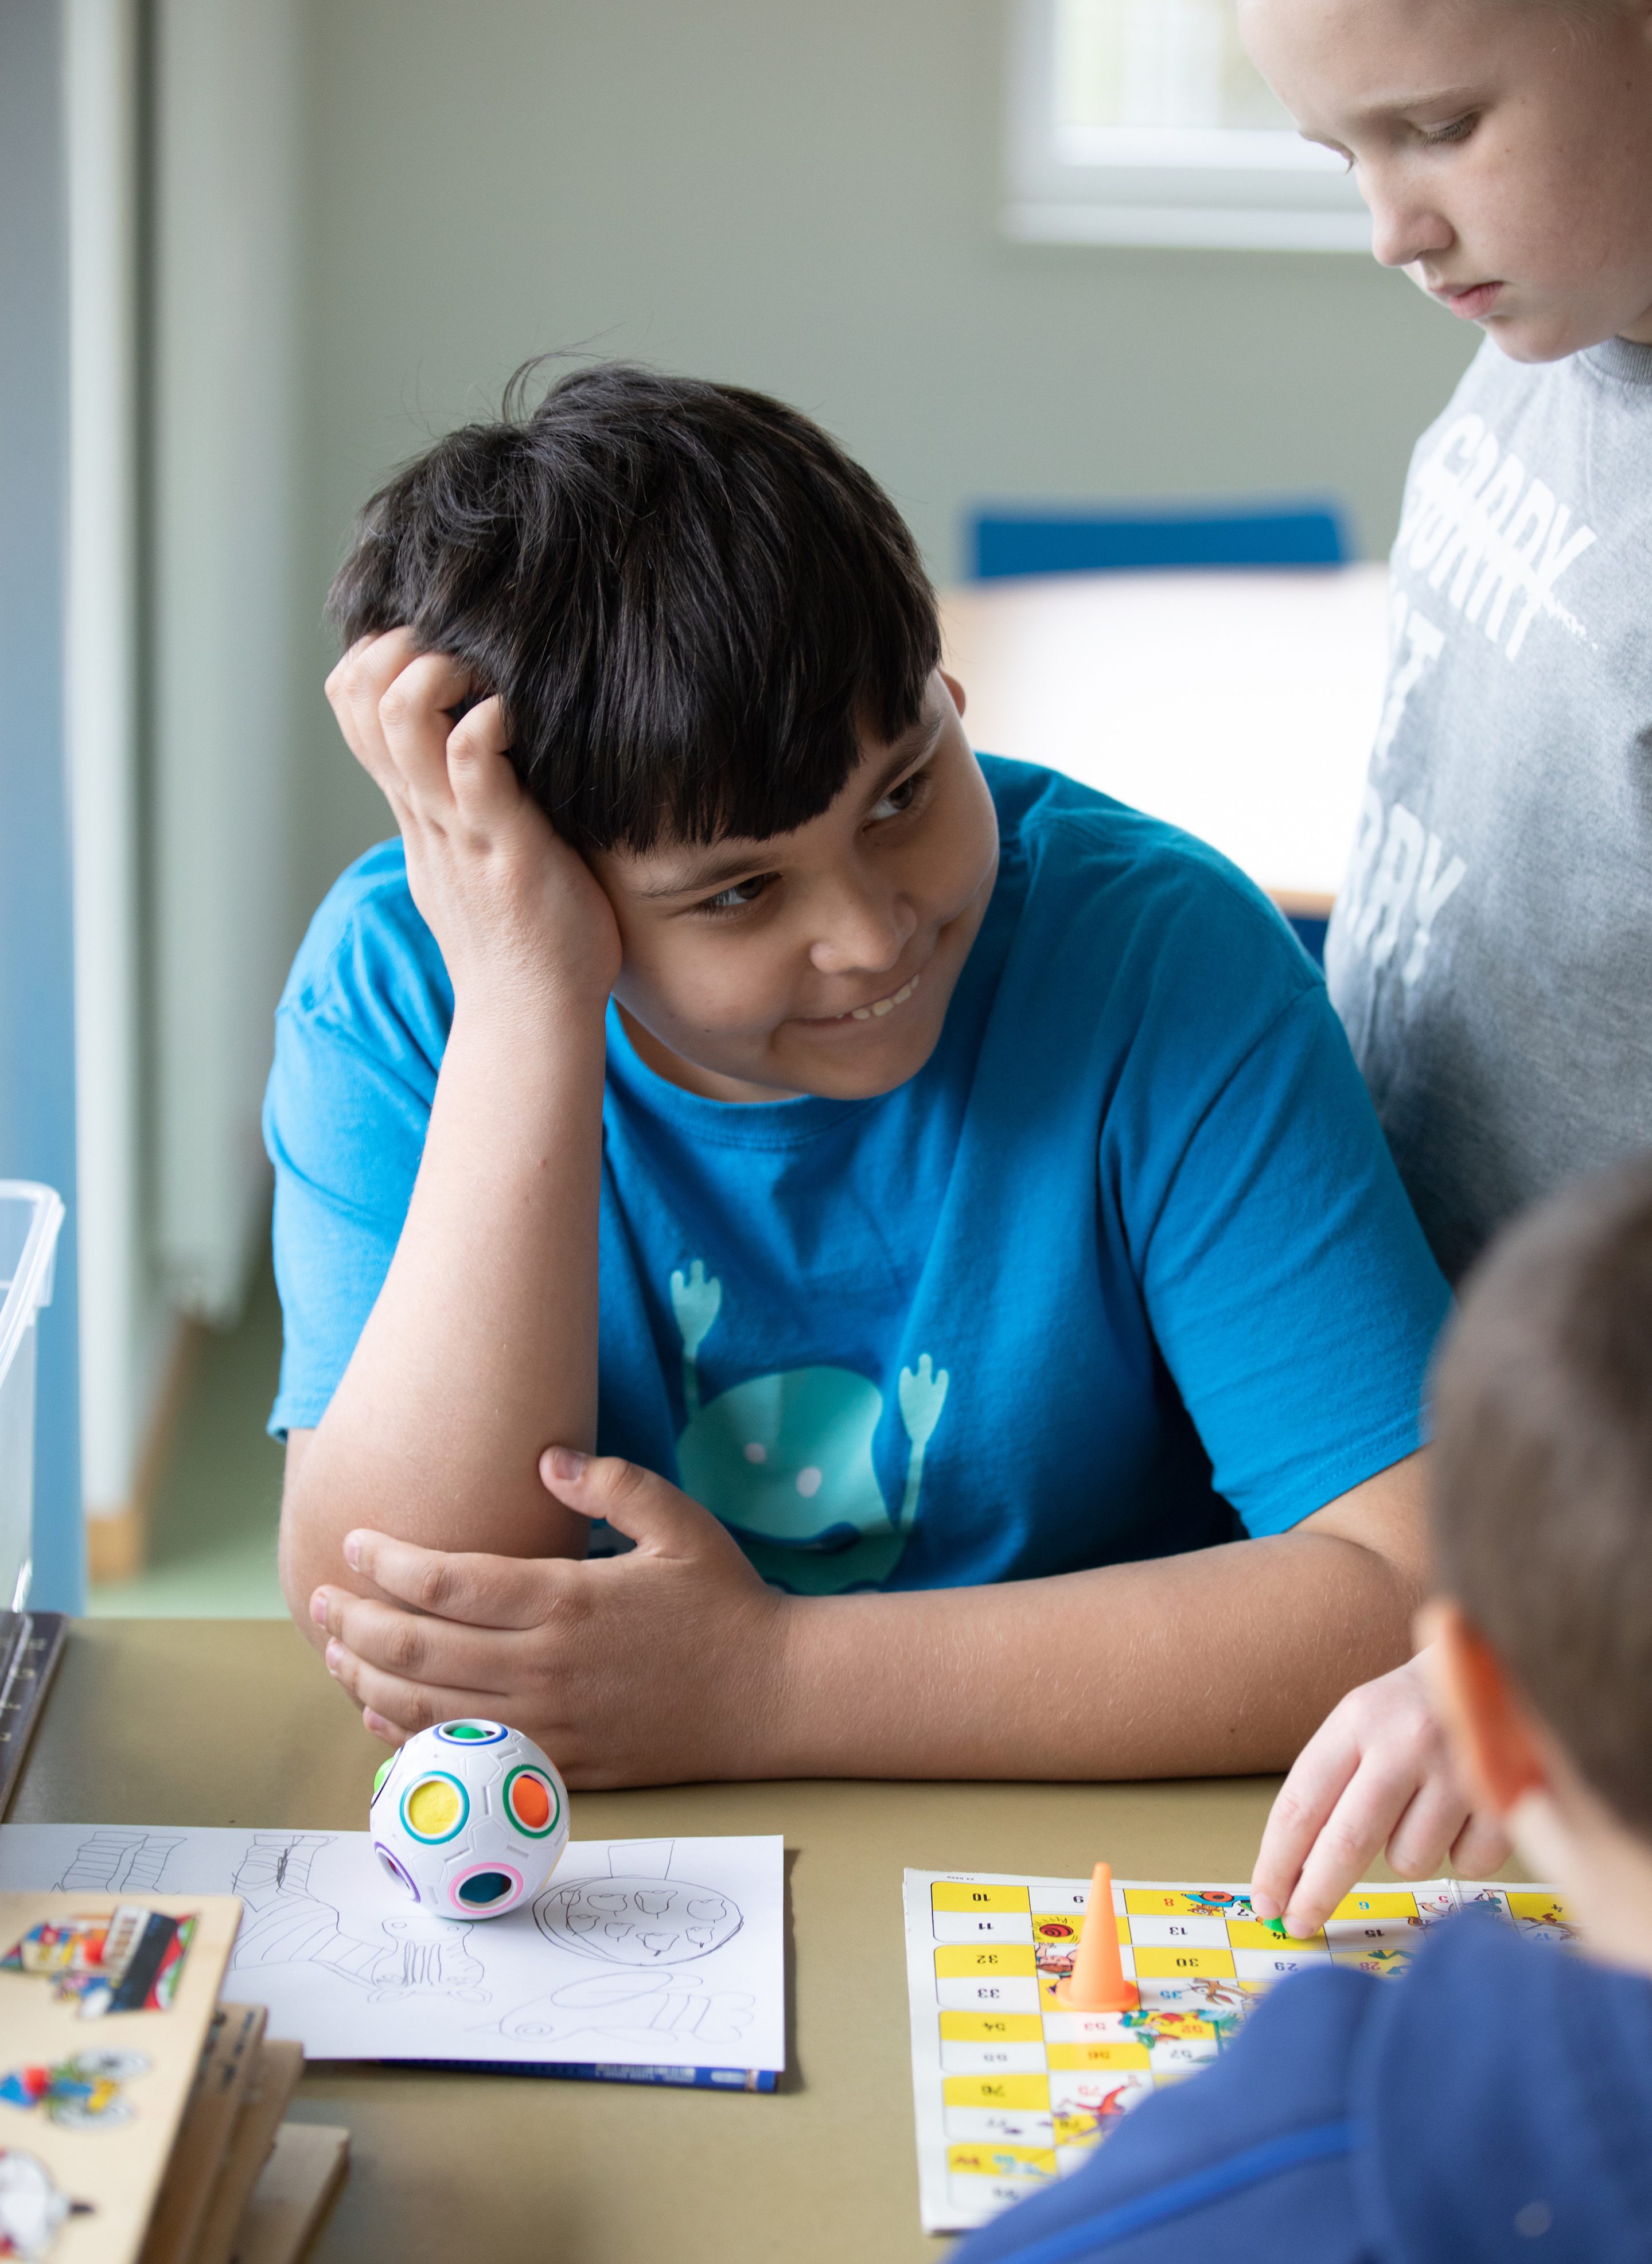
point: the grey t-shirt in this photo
(1491, 947)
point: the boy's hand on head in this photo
(666, 1665)
(509, 904)
(1375, 1775)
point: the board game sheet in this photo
(1012, 2090)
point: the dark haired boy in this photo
(998, 1247)
(1493, 2100)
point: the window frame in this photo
(1224, 188)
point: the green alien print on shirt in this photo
(785, 1462)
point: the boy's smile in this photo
(1504, 147)
(820, 960)
(884, 1005)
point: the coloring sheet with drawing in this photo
(664, 1958)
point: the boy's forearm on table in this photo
(1219, 1662)
(481, 1348)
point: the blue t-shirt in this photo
(1490, 2105)
(1126, 1257)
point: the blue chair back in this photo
(1004, 542)
(1310, 933)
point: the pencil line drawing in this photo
(650, 1954)
(640, 1916)
(285, 1922)
(633, 2008)
(110, 1860)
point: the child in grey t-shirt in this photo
(1491, 949)
(1492, 945)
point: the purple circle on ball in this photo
(396, 1870)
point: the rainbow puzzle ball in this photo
(469, 1818)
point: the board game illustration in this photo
(1012, 2089)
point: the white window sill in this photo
(1206, 227)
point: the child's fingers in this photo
(1424, 1836)
(354, 689)
(416, 726)
(1353, 1782)
(484, 786)
(643, 1506)
(359, 679)
(1355, 1833)
(415, 1648)
(478, 1590)
(1302, 1809)
(409, 1705)
(1482, 1847)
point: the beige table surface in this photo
(1239, 706)
(231, 1722)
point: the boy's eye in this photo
(1458, 130)
(737, 894)
(899, 799)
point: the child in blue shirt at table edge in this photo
(996, 1240)
(1493, 2100)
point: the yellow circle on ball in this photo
(432, 1807)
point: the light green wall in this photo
(803, 198)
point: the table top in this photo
(219, 1721)
(1239, 706)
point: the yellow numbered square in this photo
(1251, 1934)
(1381, 1964)
(1065, 2056)
(1077, 2130)
(1025, 2095)
(1375, 1906)
(961, 1961)
(991, 2028)
(948, 1895)
(1182, 1964)
(1002, 2161)
(1545, 1910)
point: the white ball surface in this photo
(469, 1818)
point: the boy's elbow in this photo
(306, 1558)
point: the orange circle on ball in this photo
(532, 1802)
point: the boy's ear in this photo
(1486, 1720)
(952, 683)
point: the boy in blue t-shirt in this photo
(944, 1199)
(1492, 2101)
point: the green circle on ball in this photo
(380, 1773)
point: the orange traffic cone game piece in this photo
(1097, 1983)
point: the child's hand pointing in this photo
(1375, 1774)
(664, 1666)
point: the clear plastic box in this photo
(30, 1219)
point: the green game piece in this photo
(1275, 1926)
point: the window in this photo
(1143, 121)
